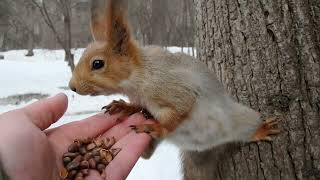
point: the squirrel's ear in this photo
(98, 20)
(112, 25)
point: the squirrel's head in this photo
(111, 58)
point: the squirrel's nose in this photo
(72, 87)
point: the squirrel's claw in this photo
(122, 107)
(154, 130)
(109, 106)
(144, 128)
(105, 108)
(146, 114)
(125, 109)
(133, 127)
(266, 129)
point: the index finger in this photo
(88, 127)
(132, 147)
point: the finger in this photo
(132, 147)
(122, 129)
(89, 127)
(45, 112)
(62, 136)
(94, 175)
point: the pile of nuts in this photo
(85, 154)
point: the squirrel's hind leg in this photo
(154, 130)
(265, 130)
(167, 121)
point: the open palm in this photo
(29, 151)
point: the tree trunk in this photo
(158, 21)
(67, 35)
(30, 44)
(69, 57)
(190, 31)
(267, 55)
(4, 27)
(2, 38)
(183, 40)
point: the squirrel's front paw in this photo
(122, 107)
(154, 130)
(266, 129)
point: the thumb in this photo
(45, 112)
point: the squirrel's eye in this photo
(97, 64)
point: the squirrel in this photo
(189, 104)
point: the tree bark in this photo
(4, 23)
(267, 55)
(2, 41)
(67, 33)
(30, 44)
(69, 57)
(158, 21)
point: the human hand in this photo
(29, 151)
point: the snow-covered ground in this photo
(47, 73)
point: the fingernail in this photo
(60, 95)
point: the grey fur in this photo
(188, 84)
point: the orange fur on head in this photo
(114, 46)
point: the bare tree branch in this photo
(43, 10)
(65, 40)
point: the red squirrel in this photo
(190, 105)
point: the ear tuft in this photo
(111, 24)
(120, 37)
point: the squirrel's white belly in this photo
(207, 126)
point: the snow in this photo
(47, 73)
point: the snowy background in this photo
(24, 78)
